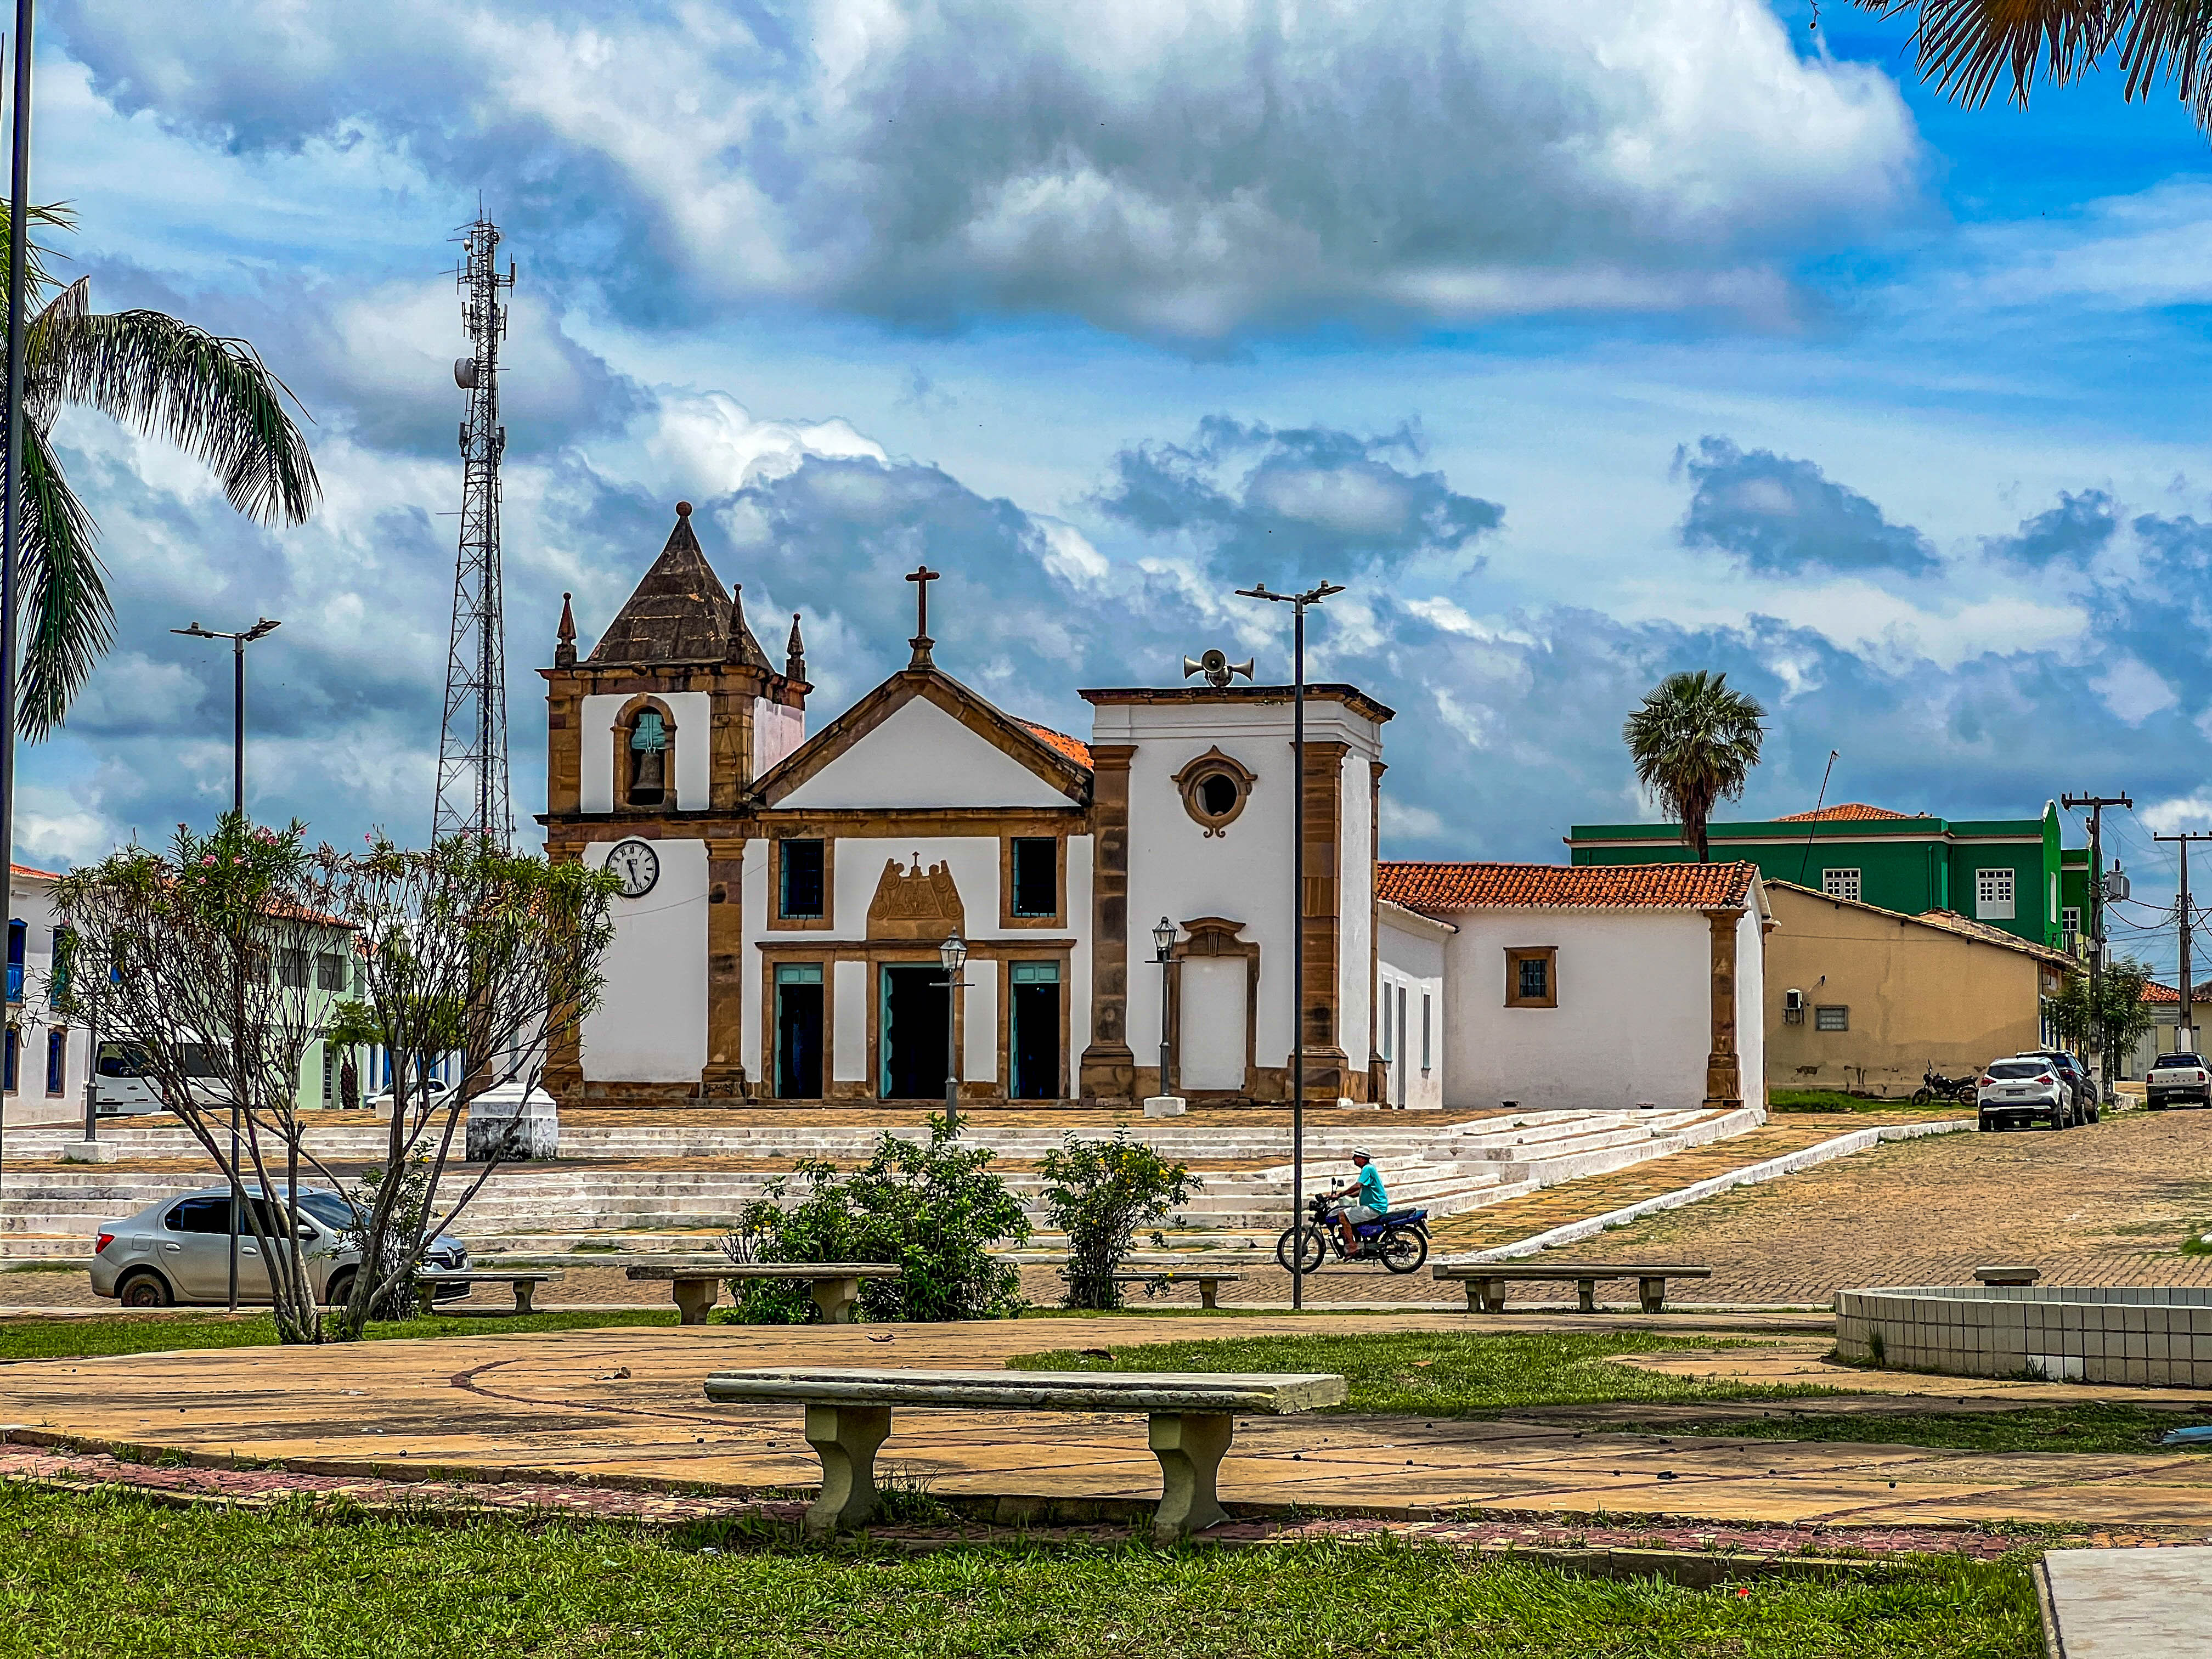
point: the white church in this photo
(786, 897)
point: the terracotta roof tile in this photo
(1440, 886)
(1073, 748)
(1843, 811)
(2153, 992)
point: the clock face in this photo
(637, 866)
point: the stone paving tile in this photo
(625, 1407)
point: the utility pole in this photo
(2097, 803)
(2186, 1038)
(1297, 602)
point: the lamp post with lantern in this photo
(953, 954)
(1163, 939)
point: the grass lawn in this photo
(79, 1339)
(111, 1575)
(1445, 1376)
(1442, 1375)
(1834, 1100)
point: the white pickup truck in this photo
(2178, 1080)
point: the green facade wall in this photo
(1910, 865)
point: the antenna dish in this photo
(464, 373)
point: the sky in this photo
(1581, 342)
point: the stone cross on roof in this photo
(921, 577)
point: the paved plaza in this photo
(625, 1407)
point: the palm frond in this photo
(59, 216)
(212, 397)
(69, 621)
(1966, 47)
(2168, 41)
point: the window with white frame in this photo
(2069, 921)
(1993, 900)
(1840, 884)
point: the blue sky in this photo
(1583, 343)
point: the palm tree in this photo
(214, 398)
(1694, 742)
(1966, 46)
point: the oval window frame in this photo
(1192, 778)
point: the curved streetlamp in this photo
(953, 954)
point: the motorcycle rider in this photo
(1370, 1202)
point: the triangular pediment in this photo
(919, 741)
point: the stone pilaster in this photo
(724, 1077)
(1108, 1070)
(1723, 1068)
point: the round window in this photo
(1215, 789)
(1217, 794)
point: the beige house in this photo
(1866, 999)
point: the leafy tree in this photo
(931, 1209)
(2112, 1026)
(1694, 742)
(211, 397)
(1968, 47)
(1099, 1193)
(352, 1027)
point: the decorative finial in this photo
(564, 653)
(682, 509)
(794, 659)
(921, 576)
(736, 650)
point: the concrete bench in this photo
(1193, 1417)
(2007, 1275)
(835, 1285)
(1486, 1281)
(1209, 1281)
(525, 1285)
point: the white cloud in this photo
(2133, 691)
(1182, 168)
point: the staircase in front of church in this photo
(670, 1187)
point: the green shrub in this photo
(932, 1211)
(1099, 1193)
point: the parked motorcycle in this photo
(1399, 1240)
(1935, 1086)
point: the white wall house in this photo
(1591, 987)
(45, 1059)
(1411, 1005)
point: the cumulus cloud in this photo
(1295, 505)
(1179, 171)
(1779, 516)
(2073, 532)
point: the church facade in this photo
(785, 894)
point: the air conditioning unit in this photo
(1793, 1007)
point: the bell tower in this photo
(655, 736)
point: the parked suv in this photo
(2085, 1109)
(2024, 1090)
(2176, 1080)
(177, 1251)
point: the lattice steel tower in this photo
(472, 788)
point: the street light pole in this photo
(1163, 953)
(238, 641)
(953, 955)
(1297, 602)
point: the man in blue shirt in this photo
(1369, 1201)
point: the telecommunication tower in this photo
(472, 787)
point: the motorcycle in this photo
(1399, 1240)
(1937, 1086)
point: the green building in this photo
(2010, 872)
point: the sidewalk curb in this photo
(1773, 1169)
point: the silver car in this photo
(177, 1251)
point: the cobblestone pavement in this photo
(2107, 1204)
(624, 1408)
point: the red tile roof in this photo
(25, 870)
(1073, 748)
(2153, 992)
(1843, 811)
(1426, 886)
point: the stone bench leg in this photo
(526, 1296)
(1190, 1446)
(1209, 1293)
(1493, 1296)
(835, 1297)
(1586, 1294)
(694, 1296)
(846, 1439)
(1651, 1294)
